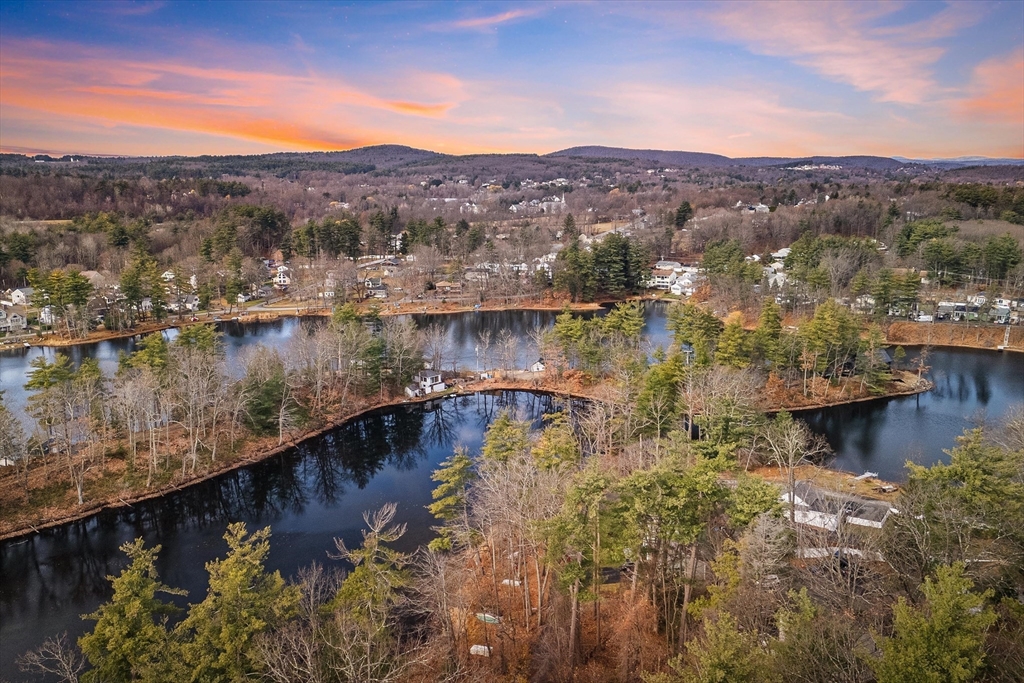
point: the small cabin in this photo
(426, 382)
(538, 366)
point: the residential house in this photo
(661, 278)
(538, 366)
(187, 302)
(687, 283)
(11, 320)
(47, 316)
(446, 287)
(375, 288)
(817, 508)
(1000, 315)
(426, 382)
(22, 296)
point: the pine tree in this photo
(451, 496)
(243, 600)
(942, 642)
(732, 346)
(683, 214)
(505, 438)
(767, 338)
(130, 640)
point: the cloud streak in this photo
(303, 111)
(849, 42)
(480, 23)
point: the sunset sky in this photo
(155, 78)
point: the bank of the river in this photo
(904, 383)
(271, 313)
(962, 335)
(34, 519)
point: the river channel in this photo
(318, 491)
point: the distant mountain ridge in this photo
(704, 159)
(392, 157)
(961, 162)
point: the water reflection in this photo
(971, 387)
(309, 495)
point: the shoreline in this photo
(272, 315)
(468, 389)
(922, 387)
(976, 347)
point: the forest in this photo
(633, 537)
(649, 531)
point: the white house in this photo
(538, 366)
(686, 284)
(426, 382)
(662, 278)
(282, 279)
(167, 275)
(11, 321)
(46, 316)
(22, 297)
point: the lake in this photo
(319, 490)
(309, 496)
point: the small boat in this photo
(866, 475)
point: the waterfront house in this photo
(426, 382)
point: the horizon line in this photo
(30, 152)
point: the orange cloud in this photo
(293, 111)
(998, 91)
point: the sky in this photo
(912, 79)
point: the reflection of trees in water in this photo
(464, 330)
(982, 385)
(361, 448)
(57, 572)
(521, 405)
(446, 416)
(850, 428)
(53, 585)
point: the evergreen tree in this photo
(576, 275)
(243, 600)
(695, 327)
(733, 348)
(450, 496)
(766, 342)
(683, 214)
(130, 640)
(505, 438)
(569, 230)
(943, 641)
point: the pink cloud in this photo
(293, 111)
(844, 42)
(997, 91)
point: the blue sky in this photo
(742, 79)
